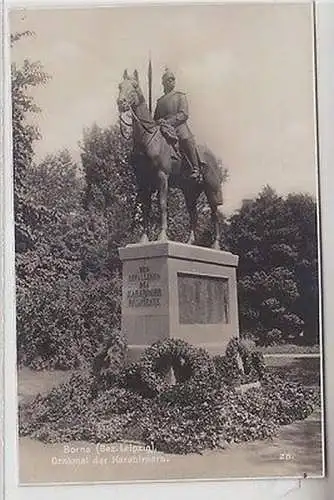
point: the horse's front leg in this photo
(163, 194)
(145, 198)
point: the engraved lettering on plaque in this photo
(143, 288)
(202, 299)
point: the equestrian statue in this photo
(165, 153)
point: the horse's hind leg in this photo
(216, 229)
(191, 203)
(215, 202)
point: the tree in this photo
(56, 183)
(276, 240)
(23, 78)
(302, 214)
(110, 186)
(66, 305)
(68, 299)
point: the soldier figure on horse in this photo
(155, 162)
(172, 110)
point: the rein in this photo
(123, 122)
(153, 131)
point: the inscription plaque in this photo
(143, 288)
(202, 299)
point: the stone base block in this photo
(182, 291)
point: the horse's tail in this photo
(213, 173)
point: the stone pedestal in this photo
(176, 290)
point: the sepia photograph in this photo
(167, 243)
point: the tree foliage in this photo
(67, 296)
(23, 79)
(276, 239)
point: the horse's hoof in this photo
(144, 239)
(162, 236)
(191, 240)
(220, 211)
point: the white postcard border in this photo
(261, 489)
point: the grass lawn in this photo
(290, 349)
(295, 452)
(31, 382)
(306, 371)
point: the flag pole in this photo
(150, 84)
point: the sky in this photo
(247, 70)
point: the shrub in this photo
(49, 325)
(274, 337)
(63, 323)
(109, 361)
(240, 363)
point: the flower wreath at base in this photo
(189, 363)
(251, 368)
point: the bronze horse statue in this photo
(157, 165)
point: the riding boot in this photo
(189, 148)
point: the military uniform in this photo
(173, 108)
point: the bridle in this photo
(142, 122)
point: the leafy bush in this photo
(109, 362)
(241, 364)
(44, 320)
(273, 337)
(62, 325)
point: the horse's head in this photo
(130, 94)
